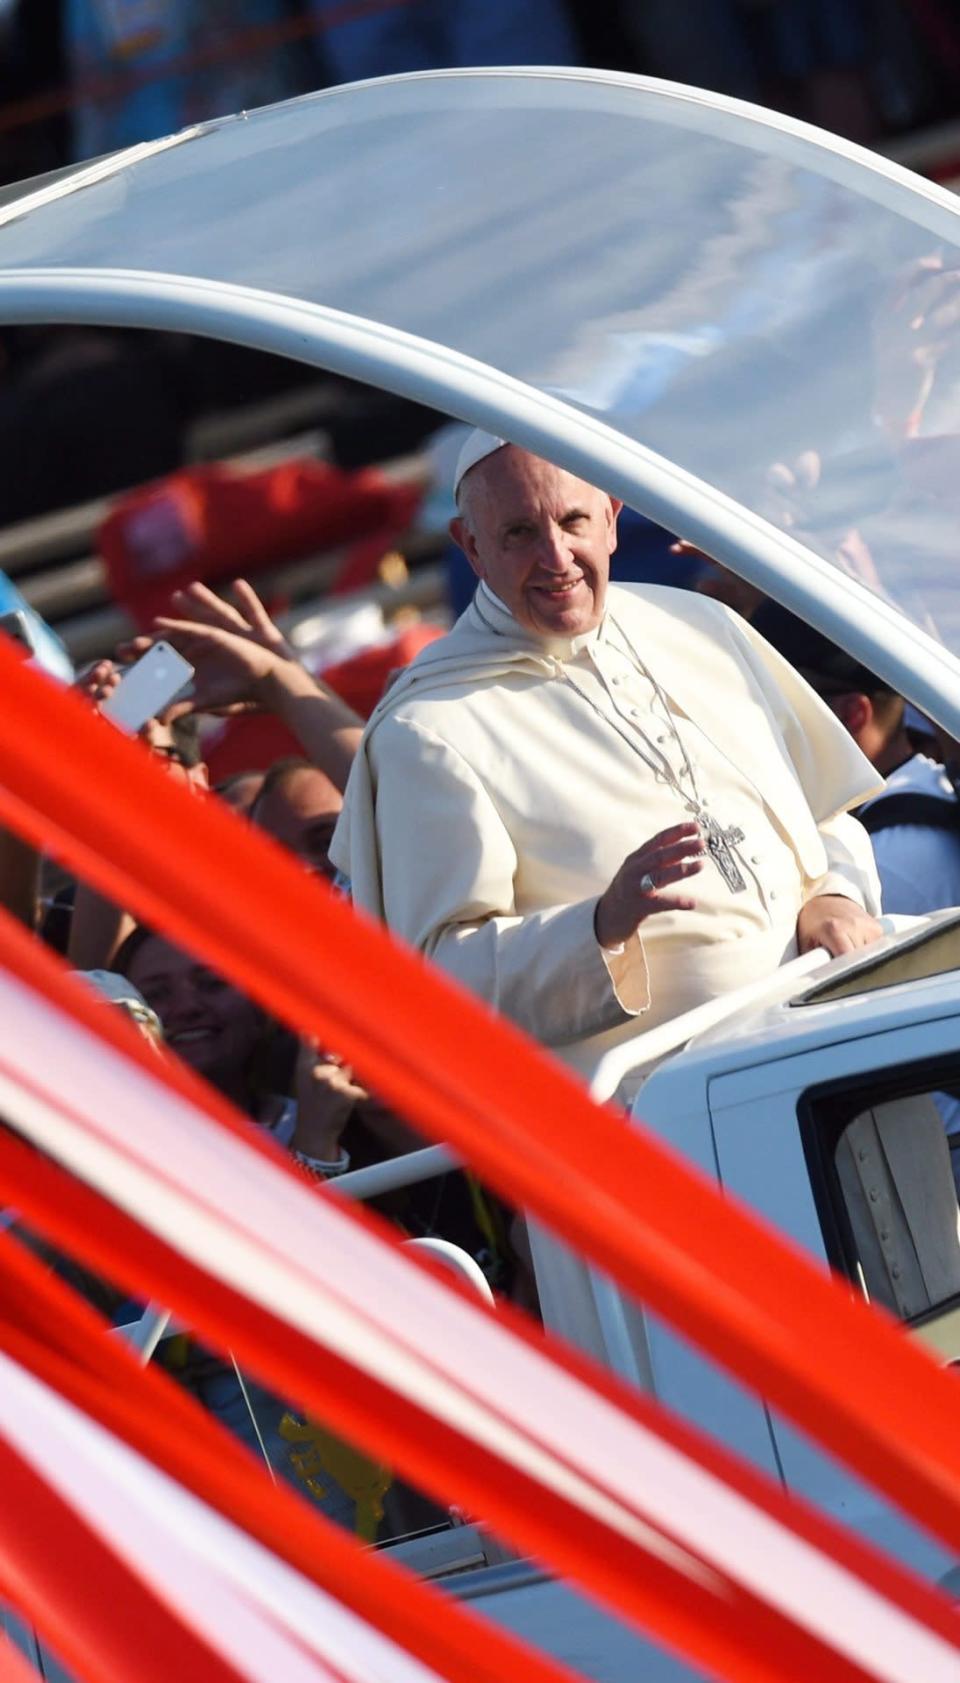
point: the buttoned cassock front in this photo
(504, 779)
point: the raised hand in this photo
(637, 890)
(229, 667)
(915, 329)
(234, 646)
(98, 682)
(326, 1095)
(244, 616)
(242, 660)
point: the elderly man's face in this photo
(541, 539)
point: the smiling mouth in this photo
(558, 589)
(189, 1037)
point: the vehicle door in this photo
(844, 1148)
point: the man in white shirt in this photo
(914, 823)
(598, 807)
(915, 829)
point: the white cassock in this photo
(505, 777)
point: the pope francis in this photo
(596, 805)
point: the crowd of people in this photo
(594, 804)
(79, 78)
(84, 77)
(303, 1095)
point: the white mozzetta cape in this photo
(489, 806)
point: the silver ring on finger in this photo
(647, 883)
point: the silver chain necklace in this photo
(720, 841)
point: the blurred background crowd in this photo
(82, 77)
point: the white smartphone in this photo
(147, 687)
(17, 626)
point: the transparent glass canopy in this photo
(768, 309)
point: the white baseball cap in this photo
(476, 446)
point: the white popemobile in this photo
(746, 330)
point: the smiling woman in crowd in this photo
(213, 1027)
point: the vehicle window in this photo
(889, 1166)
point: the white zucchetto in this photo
(476, 446)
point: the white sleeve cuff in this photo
(837, 882)
(626, 966)
(321, 1169)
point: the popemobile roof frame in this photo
(94, 209)
(252, 916)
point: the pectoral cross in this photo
(720, 843)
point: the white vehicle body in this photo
(743, 1100)
(746, 1102)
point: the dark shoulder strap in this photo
(926, 810)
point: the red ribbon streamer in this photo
(731, 1284)
(99, 1616)
(737, 1636)
(151, 1413)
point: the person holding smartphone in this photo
(97, 926)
